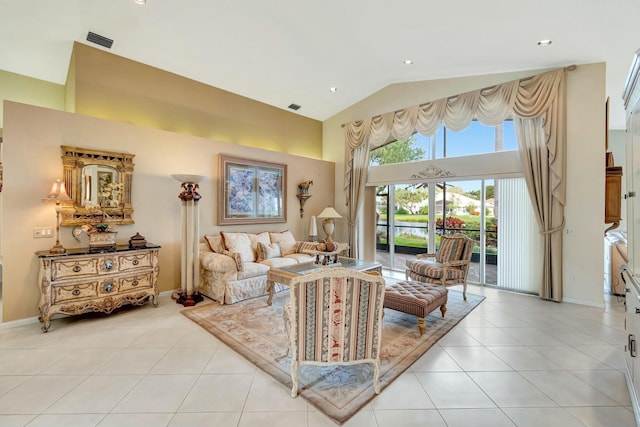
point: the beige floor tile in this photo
(37, 393)
(96, 394)
(133, 361)
(542, 417)
(157, 393)
(219, 392)
(405, 392)
(227, 361)
(492, 336)
(569, 358)
(523, 358)
(184, 361)
(453, 390)
(82, 361)
(280, 419)
(458, 338)
(435, 360)
(476, 418)
(510, 389)
(409, 418)
(360, 419)
(266, 394)
(611, 383)
(604, 416)
(15, 420)
(476, 359)
(567, 390)
(68, 420)
(136, 420)
(206, 419)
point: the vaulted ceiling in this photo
(290, 51)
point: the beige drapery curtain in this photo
(536, 102)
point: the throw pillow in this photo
(286, 240)
(240, 243)
(215, 243)
(236, 258)
(258, 238)
(271, 250)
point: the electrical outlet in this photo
(42, 232)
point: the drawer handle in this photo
(77, 269)
(134, 283)
(108, 265)
(136, 262)
(108, 287)
(75, 292)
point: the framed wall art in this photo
(251, 192)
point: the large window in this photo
(493, 211)
(475, 139)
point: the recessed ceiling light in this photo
(140, 1)
(408, 61)
(333, 89)
(544, 42)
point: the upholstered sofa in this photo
(233, 266)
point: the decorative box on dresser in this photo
(82, 279)
(631, 272)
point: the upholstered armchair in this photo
(334, 317)
(448, 266)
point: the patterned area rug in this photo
(256, 331)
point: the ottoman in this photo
(416, 298)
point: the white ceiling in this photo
(292, 51)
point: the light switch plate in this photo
(42, 232)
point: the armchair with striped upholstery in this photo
(447, 267)
(334, 317)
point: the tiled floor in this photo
(514, 361)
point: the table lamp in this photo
(57, 195)
(328, 225)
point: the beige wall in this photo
(32, 139)
(105, 85)
(14, 87)
(583, 247)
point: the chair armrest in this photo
(219, 263)
(426, 256)
(458, 263)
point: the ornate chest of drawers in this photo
(80, 280)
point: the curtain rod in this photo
(567, 68)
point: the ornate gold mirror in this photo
(99, 184)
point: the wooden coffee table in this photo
(283, 275)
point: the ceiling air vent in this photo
(98, 39)
(294, 106)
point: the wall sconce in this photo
(303, 194)
(328, 224)
(57, 195)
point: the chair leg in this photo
(376, 377)
(421, 325)
(443, 309)
(464, 291)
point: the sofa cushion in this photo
(300, 258)
(240, 243)
(267, 251)
(252, 269)
(286, 240)
(279, 262)
(215, 243)
(236, 257)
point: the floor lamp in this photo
(190, 267)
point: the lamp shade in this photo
(329, 212)
(58, 193)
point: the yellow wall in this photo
(32, 140)
(112, 87)
(14, 87)
(583, 239)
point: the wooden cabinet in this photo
(80, 280)
(631, 274)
